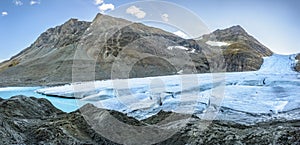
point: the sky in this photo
(275, 23)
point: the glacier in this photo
(244, 97)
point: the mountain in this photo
(48, 58)
(28, 120)
(241, 51)
(114, 48)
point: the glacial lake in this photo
(66, 105)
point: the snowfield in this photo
(245, 97)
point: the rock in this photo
(163, 117)
(297, 67)
(244, 52)
(28, 120)
(240, 57)
(224, 132)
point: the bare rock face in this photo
(240, 57)
(297, 67)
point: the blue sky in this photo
(275, 23)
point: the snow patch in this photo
(177, 47)
(181, 34)
(217, 43)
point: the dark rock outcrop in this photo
(27, 120)
(297, 67)
(224, 132)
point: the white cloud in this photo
(165, 17)
(4, 13)
(104, 7)
(18, 2)
(99, 2)
(33, 2)
(180, 34)
(135, 11)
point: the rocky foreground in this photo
(28, 120)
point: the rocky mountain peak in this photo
(71, 21)
(62, 35)
(236, 34)
(235, 30)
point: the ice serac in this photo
(242, 52)
(279, 64)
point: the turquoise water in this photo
(66, 105)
